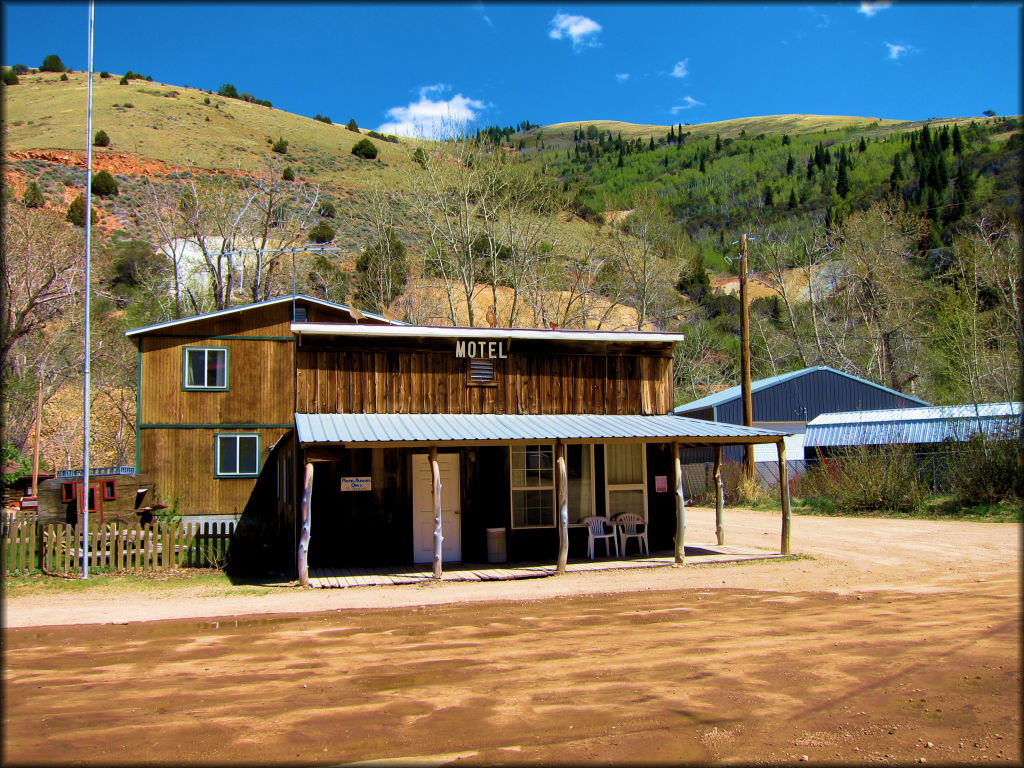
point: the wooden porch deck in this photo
(702, 554)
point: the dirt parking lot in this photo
(890, 641)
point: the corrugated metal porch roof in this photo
(910, 425)
(426, 428)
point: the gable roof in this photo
(256, 305)
(734, 393)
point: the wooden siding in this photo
(181, 463)
(411, 381)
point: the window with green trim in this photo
(237, 455)
(205, 368)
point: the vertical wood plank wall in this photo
(408, 381)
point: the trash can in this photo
(495, 545)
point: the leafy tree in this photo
(76, 212)
(228, 90)
(288, 174)
(281, 147)
(10, 77)
(382, 270)
(327, 281)
(322, 232)
(33, 197)
(52, 63)
(365, 149)
(104, 185)
(101, 139)
(352, 125)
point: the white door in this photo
(423, 509)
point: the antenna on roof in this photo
(83, 500)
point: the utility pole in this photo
(748, 407)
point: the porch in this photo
(696, 554)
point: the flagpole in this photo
(84, 499)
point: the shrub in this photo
(867, 478)
(33, 197)
(419, 156)
(327, 209)
(228, 90)
(288, 174)
(101, 139)
(104, 185)
(322, 118)
(352, 125)
(104, 75)
(123, 80)
(206, 100)
(321, 233)
(365, 149)
(20, 69)
(10, 77)
(983, 469)
(281, 147)
(76, 212)
(52, 63)
(63, 77)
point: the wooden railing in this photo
(58, 549)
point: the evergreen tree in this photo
(792, 200)
(619, 164)
(944, 138)
(33, 197)
(790, 165)
(769, 196)
(322, 232)
(703, 169)
(718, 143)
(104, 185)
(76, 212)
(958, 142)
(863, 145)
(288, 174)
(842, 179)
(52, 63)
(365, 149)
(10, 77)
(651, 146)
(101, 139)
(897, 173)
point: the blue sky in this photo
(399, 67)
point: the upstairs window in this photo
(237, 455)
(205, 368)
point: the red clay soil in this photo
(886, 647)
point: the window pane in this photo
(533, 508)
(581, 484)
(228, 455)
(215, 367)
(626, 501)
(247, 459)
(625, 463)
(195, 360)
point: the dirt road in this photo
(898, 642)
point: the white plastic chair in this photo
(628, 526)
(596, 530)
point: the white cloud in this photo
(869, 9)
(897, 51)
(431, 118)
(581, 30)
(479, 8)
(622, 77)
(680, 69)
(688, 103)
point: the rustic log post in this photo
(307, 495)
(677, 473)
(563, 508)
(784, 487)
(435, 489)
(719, 497)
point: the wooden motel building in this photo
(297, 408)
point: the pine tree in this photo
(842, 179)
(897, 172)
(792, 199)
(769, 196)
(703, 169)
(790, 165)
(958, 142)
(33, 197)
(863, 145)
(76, 212)
(718, 143)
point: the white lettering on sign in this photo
(480, 350)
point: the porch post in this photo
(719, 497)
(307, 495)
(435, 489)
(563, 507)
(677, 469)
(784, 487)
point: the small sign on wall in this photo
(355, 484)
(661, 483)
